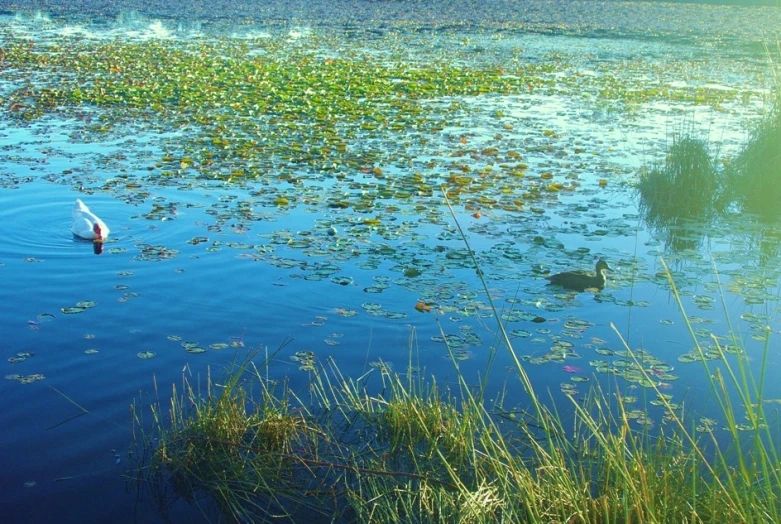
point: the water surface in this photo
(225, 265)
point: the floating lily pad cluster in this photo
(150, 253)
(639, 367)
(458, 345)
(20, 357)
(306, 360)
(25, 379)
(193, 347)
(80, 307)
(377, 310)
(383, 366)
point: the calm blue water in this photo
(212, 263)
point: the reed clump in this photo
(754, 177)
(692, 187)
(685, 185)
(225, 448)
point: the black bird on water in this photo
(580, 280)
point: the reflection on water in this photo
(341, 257)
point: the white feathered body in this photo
(84, 222)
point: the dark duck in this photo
(579, 280)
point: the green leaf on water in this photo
(73, 310)
(86, 304)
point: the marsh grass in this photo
(754, 177)
(683, 190)
(689, 191)
(343, 450)
(686, 183)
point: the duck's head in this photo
(602, 266)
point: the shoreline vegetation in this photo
(249, 448)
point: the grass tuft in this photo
(755, 175)
(683, 189)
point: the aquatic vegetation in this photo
(683, 191)
(25, 379)
(754, 177)
(342, 452)
(387, 457)
(252, 101)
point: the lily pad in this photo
(86, 304)
(73, 310)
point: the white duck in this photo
(87, 225)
